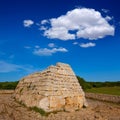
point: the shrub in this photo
(85, 85)
(39, 110)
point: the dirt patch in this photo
(97, 110)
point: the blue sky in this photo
(37, 33)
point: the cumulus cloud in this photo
(78, 23)
(86, 45)
(28, 23)
(51, 45)
(48, 52)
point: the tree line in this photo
(8, 85)
(85, 85)
(88, 85)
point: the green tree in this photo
(85, 85)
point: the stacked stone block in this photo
(55, 88)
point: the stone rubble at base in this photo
(53, 89)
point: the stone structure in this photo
(104, 97)
(55, 88)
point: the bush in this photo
(8, 85)
(85, 85)
(104, 84)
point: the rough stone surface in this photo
(55, 88)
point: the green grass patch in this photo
(42, 112)
(39, 110)
(105, 90)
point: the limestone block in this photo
(56, 103)
(44, 104)
(55, 88)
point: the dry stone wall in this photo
(104, 97)
(55, 88)
(6, 91)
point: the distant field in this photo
(105, 90)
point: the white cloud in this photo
(51, 45)
(48, 52)
(38, 24)
(27, 47)
(75, 43)
(85, 23)
(86, 45)
(44, 22)
(43, 28)
(6, 67)
(28, 23)
(37, 46)
(105, 10)
(108, 18)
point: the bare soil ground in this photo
(97, 110)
